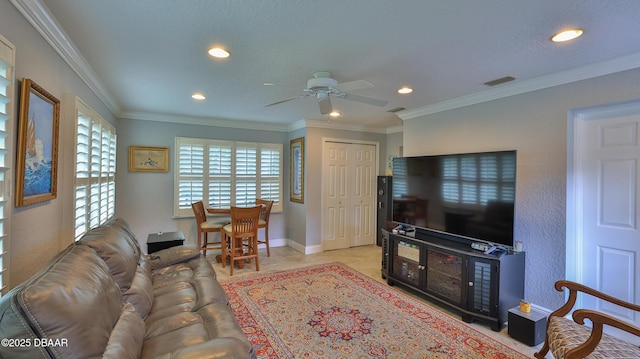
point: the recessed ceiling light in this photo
(566, 35)
(219, 52)
(334, 114)
(405, 90)
(198, 96)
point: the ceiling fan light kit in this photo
(322, 85)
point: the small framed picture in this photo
(148, 159)
(296, 180)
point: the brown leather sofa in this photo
(102, 297)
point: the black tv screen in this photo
(468, 195)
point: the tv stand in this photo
(480, 286)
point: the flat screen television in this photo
(470, 196)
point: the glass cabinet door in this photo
(406, 262)
(444, 275)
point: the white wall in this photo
(535, 124)
(40, 231)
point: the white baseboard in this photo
(304, 249)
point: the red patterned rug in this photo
(333, 311)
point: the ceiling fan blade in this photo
(353, 85)
(285, 100)
(363, 99)
(325, 104)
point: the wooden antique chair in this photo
(264, 221)
(241, 236)
(572, 339)
(205, 227)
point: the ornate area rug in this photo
(333, 311)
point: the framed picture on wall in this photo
(37, 157)
(148, 159)
(296, 173)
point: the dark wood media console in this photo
(481, 286)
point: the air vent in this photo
(396, 109)
(500, 81)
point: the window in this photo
(95, 179)
(225, 173)
(7, 87)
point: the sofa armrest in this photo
(173, 255)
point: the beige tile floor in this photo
(366, 260)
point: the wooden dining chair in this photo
(264, 221)
(241, 236)
(205, 227)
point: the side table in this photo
(162, 240)
(528, 328)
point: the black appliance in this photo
(383, 205)
(464, 196)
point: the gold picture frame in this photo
(148, 159)
(37, 157)
(296, 173)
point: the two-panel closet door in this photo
(349, 181)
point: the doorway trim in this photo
(325, 140)
(575, 121)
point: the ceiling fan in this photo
(322, 86)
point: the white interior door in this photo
(363, 200)
(607, 175)
(336, 195)
(349, 176)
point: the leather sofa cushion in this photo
(211, 331)
(117, 248)
(140, 294)
(127, 336)
(73, 297)
(188, 285)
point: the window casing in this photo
(7, 98)
(95, 172)
(226, 173)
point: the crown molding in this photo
(205, 121)
(343, 126)
(40, 18)
(619, 64)
(394, 129)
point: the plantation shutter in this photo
(82, 175)
(246, 176)
(220, 169)
(95, 170)
(270, 174)
(226, 173)
(7, 58)
(191, 173)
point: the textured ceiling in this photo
(150, 55)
